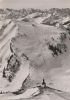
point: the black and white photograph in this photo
(34, 49)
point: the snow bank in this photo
(9, 32)
(28, 94)
(5, 39)
(39, 20)
(65, 20)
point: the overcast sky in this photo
(42, 4)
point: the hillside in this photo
(34, 54)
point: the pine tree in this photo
(43, 83)
(4, 74)
(10, 78)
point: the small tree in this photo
(43, 83)
(4, 74)
(10, 78)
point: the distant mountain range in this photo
(11, 13)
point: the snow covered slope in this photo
(47, 50)
(8, 33)
(5, 39)
(47, 47)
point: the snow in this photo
(65, 19)
(16, 84)
(39, 20)
(28, 94)
(59, 79)
(5, 39)
(55, 97)
(6, 36)
(33, 15)
(7, 21)
(7, 31)
(44, 97)
(21, 75)
(34, 94)
(4, 54)
(49, 15)
(1, 23)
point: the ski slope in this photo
(58, 77)
(9, 32)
